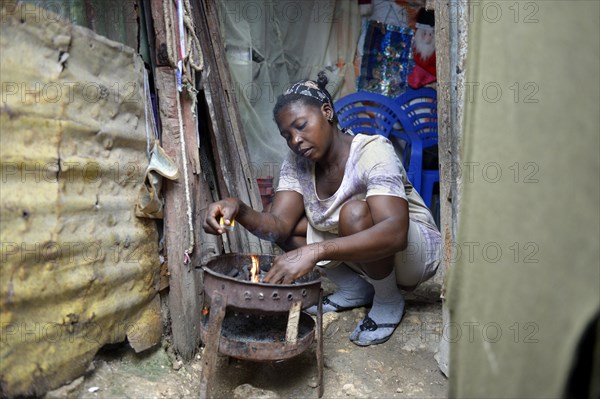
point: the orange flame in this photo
(255, 271)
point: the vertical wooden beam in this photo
(451, 29)
(229, 141)
(160, 36)
(209, 359)
(184, 303)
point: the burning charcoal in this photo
(262, 276)
(246, 273)
(233, 273)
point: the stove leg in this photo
(211, 349)
(319, 332)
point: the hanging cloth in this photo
(387, 59)
(150, 202)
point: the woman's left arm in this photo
(387, 236)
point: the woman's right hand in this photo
(227, 208)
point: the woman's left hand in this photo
(290, 266)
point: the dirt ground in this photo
(403, 367)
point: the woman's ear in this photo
(327, 111)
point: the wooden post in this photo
(232, 174)
(184, 303)
(451, 28)
(229, 141)
(213, 336)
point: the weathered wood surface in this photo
(451, 31)
(228, 140)
(213, 336)
(219, 128)
(184, 303)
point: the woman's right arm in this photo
(276, 225)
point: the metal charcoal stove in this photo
(255, 320)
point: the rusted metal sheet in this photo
(114, 19)
(78, 269)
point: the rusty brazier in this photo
(254, 320)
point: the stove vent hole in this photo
(290, 296)
(275, 296)
(303, 291)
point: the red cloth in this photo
(423, 73)
(428, 64)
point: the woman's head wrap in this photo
(311, 89)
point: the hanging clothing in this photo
(387, 59)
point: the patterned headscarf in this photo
(311, 89)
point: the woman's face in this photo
(305, 129)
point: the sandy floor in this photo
(403, 367)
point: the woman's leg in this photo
(388, 302)
(298, 237)
(355, 216)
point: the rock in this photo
(360, 313)
(375, 365)
(313, 382)
(177, 364)
(71, 390)
(350, 390)
(328, 318)
(399, 390)
(247, 391)
(412, 319)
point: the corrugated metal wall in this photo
(77, 268)
(114, 19)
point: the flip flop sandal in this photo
(338, 308)
(369, 324)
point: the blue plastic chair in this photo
(373, 113)
(419, 107)
(367, 113)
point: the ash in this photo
(258, 328)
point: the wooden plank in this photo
(206, 245)
(184, 303)
(222, 162)
(230, 139)
(291, 332)
(451, 32)
(158, 22)
(211, 350)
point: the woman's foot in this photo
(353, 291)
(385, 315)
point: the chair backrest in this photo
(420, 108)
(367, 113)
(373, 113)
(414, 110)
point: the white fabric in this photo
(297, 39)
